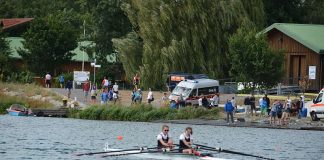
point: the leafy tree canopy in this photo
(48, 42)
(252, 60)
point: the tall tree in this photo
(4, 55)
(48, 42)
(314, 11)
(252, 60)
(130, 53)
(287, 11)
(190, 36)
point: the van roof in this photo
(198, 83)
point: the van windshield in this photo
(181, 90)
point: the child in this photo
(115, 97)
(93, 94)
(104, 97)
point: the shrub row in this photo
(143, 113)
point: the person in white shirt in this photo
(115, 97)
(115, 87)
(185, 142)
(164, 139)
(216, 100)
(200, 101)
(150, 96)
(48, 78)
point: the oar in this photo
(229, 151)
(140, 152)
(92, 153)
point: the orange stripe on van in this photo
(318, 105)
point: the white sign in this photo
(80, 76)
(312, 72)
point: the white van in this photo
(192, 89)
(317, 108)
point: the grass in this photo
(20, 95)
(143, 113)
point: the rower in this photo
(186, 142)
(164, 139)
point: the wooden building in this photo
(303, 46)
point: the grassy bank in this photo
(11, 93)
(143, 113)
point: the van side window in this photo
(193, 93)
(208, 90)
(319, 98)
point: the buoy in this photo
(120, 137)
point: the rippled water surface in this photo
(59, 138)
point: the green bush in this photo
(143, 113)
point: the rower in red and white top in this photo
(185, 142)
(164, 139)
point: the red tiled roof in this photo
(8, 23)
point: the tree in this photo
(252, 60)
(314, 11)
(190, 36)
(48, 42)
(287, 11)
(130, 53)
(4, 55)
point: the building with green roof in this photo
(303, 45)
(15, 43)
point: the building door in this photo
(297, 68)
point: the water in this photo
(60, 138)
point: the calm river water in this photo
(62, 138)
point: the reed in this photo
(143, 113)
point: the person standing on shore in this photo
(86, 89)
(252, 102)
(136, 81)
(266, 98)
(286, 112)
(93, 93)
(229, 108)
(69, 86)
(104, 96)
(164, 100)
(164, 139)
(150, 97)
(216, 100)
(115, 87)
(61, 80)
(48, 79)
(105, 83)
(247, 106)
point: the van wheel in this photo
(188, 104)
(314, 116)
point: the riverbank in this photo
(295, 124)
(33, 96)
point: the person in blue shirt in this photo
(104, 96)
(61, 80)
(110, 94)
(229, 111)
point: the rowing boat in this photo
(155, 154)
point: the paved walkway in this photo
(124, 95)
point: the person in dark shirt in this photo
(205, 102)
(252, 102)
(268, 103)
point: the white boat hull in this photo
(159, 155)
